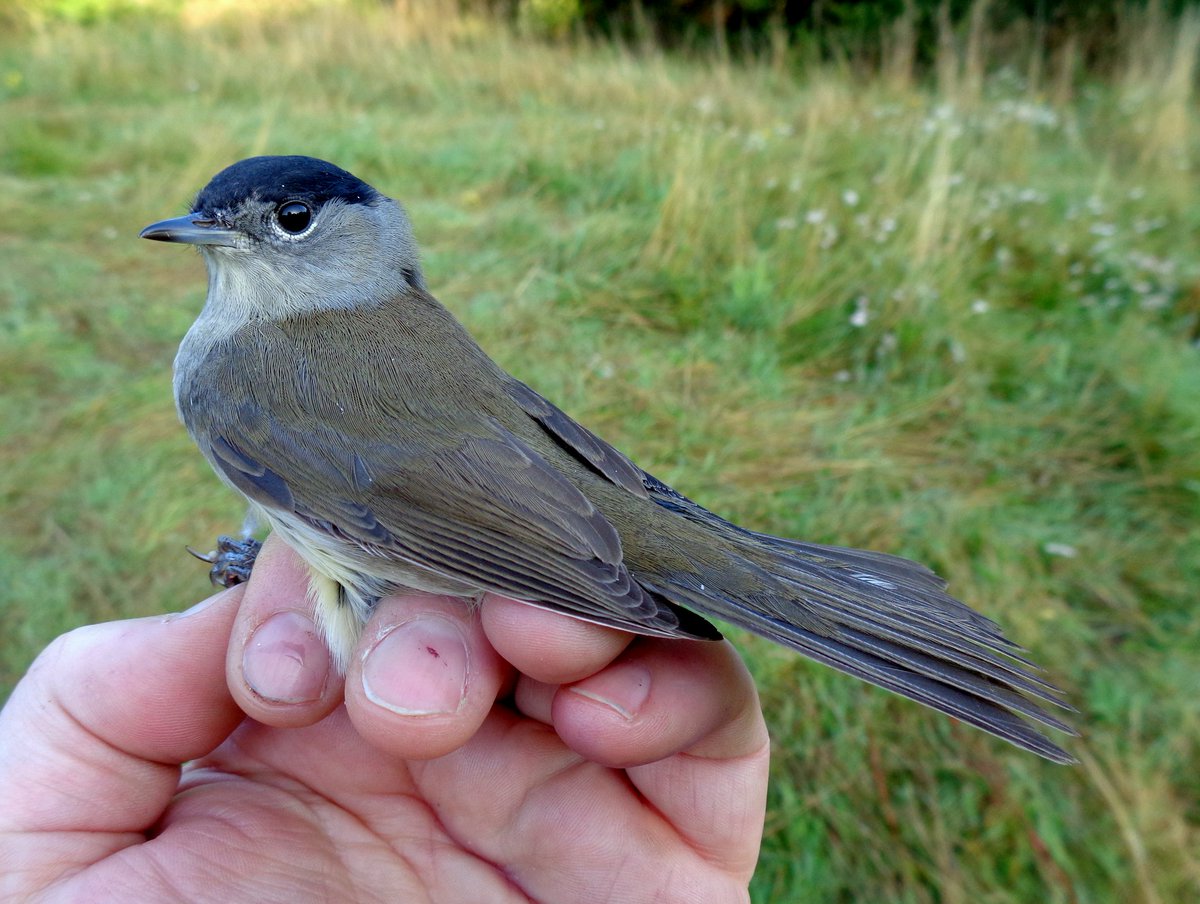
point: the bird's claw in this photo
(232, 560)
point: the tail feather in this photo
(889, 617)
(982, 712)
(875, 616)
(941, 624)
(917, 597)
(948, 648)
(947, 673)
(889, 622)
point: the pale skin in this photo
(612, 769)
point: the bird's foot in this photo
(232, 560)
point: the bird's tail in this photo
(880, 618)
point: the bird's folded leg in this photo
(232, 560)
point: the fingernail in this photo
(285, 660)
(622, 688)
(418, 668)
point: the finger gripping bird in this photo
(361, 421)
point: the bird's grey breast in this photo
(217, 368)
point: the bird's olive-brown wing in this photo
(480, 506)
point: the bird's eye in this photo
(293, 217)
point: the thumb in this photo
(92, 738)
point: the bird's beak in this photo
(192, 229)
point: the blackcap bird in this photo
(363, 423)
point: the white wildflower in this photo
(1062, 550)
(861, 314)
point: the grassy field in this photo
(954, 319)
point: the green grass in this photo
(953, 321)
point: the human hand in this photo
(216, 755)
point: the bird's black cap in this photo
(279, 179)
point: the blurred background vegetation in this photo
(911, 276)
